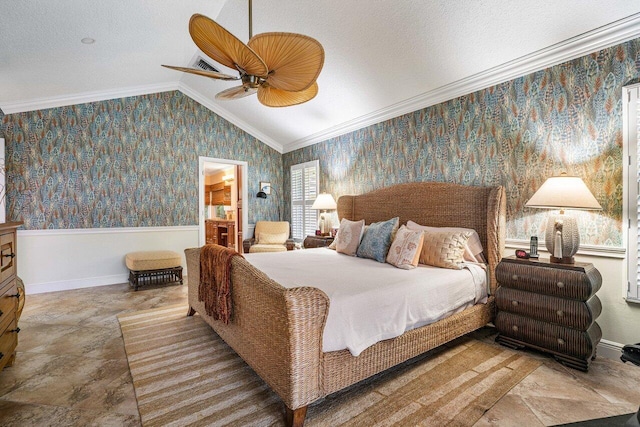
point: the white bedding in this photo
(372, 301)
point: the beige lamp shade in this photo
(564, 192)
(324, 201)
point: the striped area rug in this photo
(184, 374)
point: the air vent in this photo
(204, 65)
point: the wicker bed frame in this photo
(278, 331)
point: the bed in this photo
(278, 330)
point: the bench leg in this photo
(295, 417)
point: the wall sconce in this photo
(265, 189)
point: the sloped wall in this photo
(517, 134)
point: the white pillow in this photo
(349, 236)
(473, 248)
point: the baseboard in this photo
(610, 350)
(66, 285)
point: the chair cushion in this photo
(267, 248)
(271, 227)
(152, 260)
(272, 239)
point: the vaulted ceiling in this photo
(382, 58)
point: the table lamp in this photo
(324, 202)
(562, 237)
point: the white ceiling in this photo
(382, 58)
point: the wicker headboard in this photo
(437, 204)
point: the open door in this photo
(222, 195)
(239, 208)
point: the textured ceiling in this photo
(381, 60)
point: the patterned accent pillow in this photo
(444, 248)
(349, 235)
(377, 239)
(405, 250)
(473, 248)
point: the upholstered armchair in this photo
(269, 236)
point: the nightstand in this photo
(549, 307)
(312, 241)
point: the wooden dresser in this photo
(220, 232)
(9, 294)
(550, 307)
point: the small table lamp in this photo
(562, 237)
(323, 202)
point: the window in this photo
(631, 128)
(304, 190)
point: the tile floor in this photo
(71, 369)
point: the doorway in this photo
(222, 195)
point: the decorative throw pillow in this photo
(473, 248)
(272, 239)
(377, 239)
(444, 248)
(405, 250)
(349, 235)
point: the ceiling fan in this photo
(281, 68)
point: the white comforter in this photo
(372, 301)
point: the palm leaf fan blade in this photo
(235, 93)
(294, 60)
(204, 73)
(223, 47)
(272, 97)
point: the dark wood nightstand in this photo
(549, 307)
(312, 241)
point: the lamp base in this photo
(563, 260)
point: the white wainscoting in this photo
(56, 260)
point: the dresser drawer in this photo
(559, 339)
(8, 342)
(559, 281)
(8, 257)
(8, 302)
(561, 311)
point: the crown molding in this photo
(81, 98)
(575, 47)
(232, 118)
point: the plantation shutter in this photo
(304, 190)
(632, 130)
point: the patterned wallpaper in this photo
(130, 162)
(517, 134)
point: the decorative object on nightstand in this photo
(317, 241)
(10, 295)
(549, 307)
(562, 236)
(324, 202)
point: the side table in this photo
(312, 241)
(549, 307)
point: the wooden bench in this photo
(153, 268)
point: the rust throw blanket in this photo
(215, 281)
